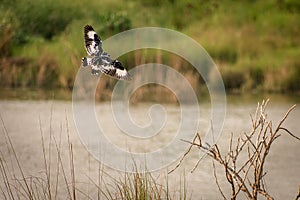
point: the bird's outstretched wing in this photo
(116, 70)
(92, 42)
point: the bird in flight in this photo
(99, 60)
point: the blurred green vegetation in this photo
(255, 45)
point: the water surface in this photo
(25, 120)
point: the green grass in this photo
(257, 40)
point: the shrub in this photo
(226, 54)
(42, 18)
(113, 23)
(244, 176)
(233, 79)
(292, 82)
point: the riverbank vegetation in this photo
(255, 45)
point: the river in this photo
(26, 121)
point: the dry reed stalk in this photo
(10, 144)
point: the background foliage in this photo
(256, 45)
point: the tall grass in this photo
(60, 179)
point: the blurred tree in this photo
(41, 18)
(113, 22)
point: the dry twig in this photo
(245, 175)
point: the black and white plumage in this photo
(98, 59)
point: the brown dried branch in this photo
(256, 145)
(286, 130)
(192, 144)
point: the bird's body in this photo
(99, 60)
